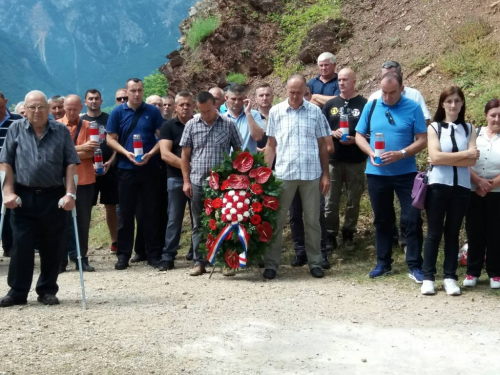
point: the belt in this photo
(38, 190)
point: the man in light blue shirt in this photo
(248, 121)
(402, 123)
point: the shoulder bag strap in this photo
(78, 128)
(368, 128)
(135, 120)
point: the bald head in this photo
(392, 88)
(218, 95)
(347, 83)
(35, 94)
(73, 106)
(155, 100)
(37, 106)
(296, 89)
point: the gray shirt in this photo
(38, 162)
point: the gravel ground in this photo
(141, 321)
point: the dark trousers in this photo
(177, 201)
(7, 230)
(132, 184)
(381, 190)
(196, 210)
(483, 234)
(139, 244)
(38, 219)
(445, 207)
(83, 204)
(297, 225)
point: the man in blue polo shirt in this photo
(136, 178)
(6, 119)
(325, 86)
(402, 123)
(248, 121)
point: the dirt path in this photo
(141, 321)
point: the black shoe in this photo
(85, 267)
(260, 264)
(331, 244)
(325, 264)
(48, 299)
(317, 272)
(166, 265)
(299, 261)
(154, 263)
(6, 253)
(8, 301)
(189, 256)
(122, 264)
(138, 258)
(269, 274)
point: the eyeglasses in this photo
(121, 98)
(389, 117)
(40, 108)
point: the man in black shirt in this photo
(264, 98)
(170, 137)
(106, 183)
(347, 163)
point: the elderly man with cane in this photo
(41, 152)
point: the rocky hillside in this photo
(438, 42)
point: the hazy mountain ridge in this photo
(83, 45)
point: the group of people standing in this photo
(315, 156)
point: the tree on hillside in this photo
(155, 84)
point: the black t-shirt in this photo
(101, 120)
(263, 141)
(172, 130)
(353, 108)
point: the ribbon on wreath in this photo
(242, 235)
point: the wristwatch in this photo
(72, 195)
(403, 151)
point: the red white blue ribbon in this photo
(242, 235)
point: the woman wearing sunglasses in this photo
(452, 150)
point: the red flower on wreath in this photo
(225, 185)
(270, 202)
(244, 162)
(208, 206)
(232, 259)
(257, 189)
(265, 231)
(261, 174)
(256, 207)
(238, 181)
(255, 219)
(217, 203)
(212, 224)
(213, 181)
(210, 241)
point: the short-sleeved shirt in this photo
(120, 120)
(488, 164)
(172, 130)
(85, 171)
(5, 123)
(330, 88)
(410, 93)
(408, 121)
(38, 162)
(244, 129)
(352, 108)
(102, 121)
(296, 132)
(208, 144)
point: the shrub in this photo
(470, 30)
(201, 29)
(237, 78)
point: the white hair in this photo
(327, 56)
(35, 92)
(18, 105)
(217, 89)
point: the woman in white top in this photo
(452, 150)
(483, 216)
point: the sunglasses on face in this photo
(122, 98)
(389, 117)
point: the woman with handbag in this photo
(483, 215)
(452, 150)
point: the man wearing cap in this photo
(41, 152)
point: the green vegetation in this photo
(200, 29)
(237, 78)
(420, 62)
(474, 65)
(297, 19)
(155, 84)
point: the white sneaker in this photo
(427, 288)
(470, 281)
(495, 283)
(451, 287)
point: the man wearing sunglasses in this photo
(402, 123)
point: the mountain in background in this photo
(69, 46)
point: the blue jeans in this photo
(381, 190)
(177, 201)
